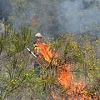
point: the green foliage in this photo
(14, 42)
(90, 69)
(70, 49)
(57, 43)
(2, 41)
(84, 55)
(78, 57)
(16, 76)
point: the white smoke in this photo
(81, 15)
(73, 16)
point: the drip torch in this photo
(31, 52)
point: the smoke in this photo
(81, 15)
(55, 17)
(20, 13)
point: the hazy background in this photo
(53, 17)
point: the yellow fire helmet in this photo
(38, 35)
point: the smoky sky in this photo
(74, 16)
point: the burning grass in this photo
(73, 90)
(59, 68)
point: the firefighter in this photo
(38, 39)
(36, 50)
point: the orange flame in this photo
(33, 20)
(46, 52)
(65, 76)
(75, 90)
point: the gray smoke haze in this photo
(74, 16)
(81, 15)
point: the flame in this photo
(33, 20)
(46, 52)
(65, 76)
(76, 91)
